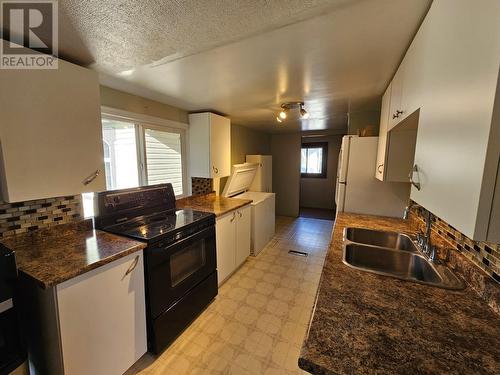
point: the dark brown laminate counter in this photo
(212, 203)
(369, 324)
(52, 256)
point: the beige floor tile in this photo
(256, 300)
(257, 323)
(246, 315)
(264, 287)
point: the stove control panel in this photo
(113, 205)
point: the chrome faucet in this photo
(406, 212)
(424, 239)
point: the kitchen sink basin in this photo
(392, 240)
(403, 265)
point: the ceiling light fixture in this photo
(304, 115)
(286, 107)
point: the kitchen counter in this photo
(52, 256)
(212, 203)
(366, 324)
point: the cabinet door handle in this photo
(234, 217)
(416, 184)
(378, 168)
(92, 177)
(396, 115)
(240, 214)
(216, 170)
(132, 267)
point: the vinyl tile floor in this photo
(257, 323)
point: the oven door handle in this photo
(159, 253)
(6, 305)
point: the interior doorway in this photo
(318, 170)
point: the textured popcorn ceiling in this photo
(123, 34)
(244, 57)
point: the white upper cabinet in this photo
(396, 110)
(50, 133)
(209, 145)
(396, 146)
(382, 138)
(453, 70)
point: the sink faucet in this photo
(424, 240)
(406, 212)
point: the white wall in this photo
(366, 119)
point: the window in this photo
(313, 159)
(120, 154)
(137, 155)
(164, 158)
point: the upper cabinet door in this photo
(220, 145)
(382, 138)
(458, 141)
(412, 91)
(209, 145)
(51, 138)
(396, 111)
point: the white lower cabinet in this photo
(93, 324)
(225, 235)
(233, 241)
(243, 234)
(102, 318)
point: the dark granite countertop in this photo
(212, 203)
(54, 255)
(369, 324)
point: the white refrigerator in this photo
(358, 191)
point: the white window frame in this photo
(142, 122)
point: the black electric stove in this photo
(180, 257)
(12, 353)
(157, 226)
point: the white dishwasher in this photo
(263, 204)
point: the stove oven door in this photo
(173, 270)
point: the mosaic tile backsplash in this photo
(201, 186)
(23, 217)
(485, 255)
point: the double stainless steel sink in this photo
(394, 254)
